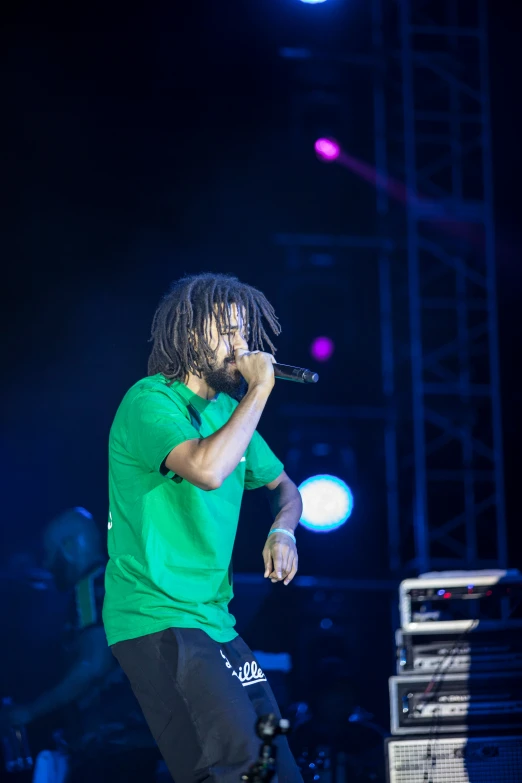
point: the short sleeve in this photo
(262, 466)
(156, 426)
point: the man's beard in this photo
(226, 380)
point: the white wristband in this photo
(282, 530)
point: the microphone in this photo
(298, 374)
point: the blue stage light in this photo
(313, 1)
(327, 503)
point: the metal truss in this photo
(458, 504)
(440, 374)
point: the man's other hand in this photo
(280, 558)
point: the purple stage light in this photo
(322, 349)
(327, 149)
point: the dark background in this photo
(141, 145)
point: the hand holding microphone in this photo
(256, 367)
(260, 367)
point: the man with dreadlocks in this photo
(182, 450)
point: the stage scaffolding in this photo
(435, 251)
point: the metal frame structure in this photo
(445, 252)
(457, 431)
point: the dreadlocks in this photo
(181, 325)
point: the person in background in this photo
(104, 734)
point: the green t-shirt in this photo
(170, 543)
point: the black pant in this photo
(201, 700)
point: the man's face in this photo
(224, 377)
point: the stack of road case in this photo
(456, 702)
